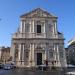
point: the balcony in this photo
(29, 35)
(36, 35)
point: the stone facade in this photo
(38, 40)
(70, 52)
(4, 55)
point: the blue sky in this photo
(10, 11)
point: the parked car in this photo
(70, 66)
(9, 66)
(1, 66)
(70, 73)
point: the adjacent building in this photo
(67, 55)
(4, 54)
(71, 52)
(37, 41)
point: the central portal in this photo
(39, 58)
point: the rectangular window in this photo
(38, 28)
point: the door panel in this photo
(39, 58)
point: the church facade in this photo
(37, 41)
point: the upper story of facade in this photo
(38, 24)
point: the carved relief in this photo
(38, 13)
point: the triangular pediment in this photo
(37, 13)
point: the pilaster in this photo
(55, 29)
(19, 51)
(55, 23)
(23, 54)
(30, 55)
(33, 59)
(21, 29)
(44, 27)
(47, 56)
(58, 56)
(33, 26)
(24, 26)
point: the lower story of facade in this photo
(31, 53)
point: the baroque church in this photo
(38, 41)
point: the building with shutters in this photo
(37, 41)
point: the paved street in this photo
(24, 72)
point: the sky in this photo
(11, 10)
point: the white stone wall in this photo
(48, 28)
(48, 40)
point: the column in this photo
(30, 55)
(30, 26)
(24, 26)
(33, 27)
(15, 52)
(19, 54)
(47, 51)
(55, 52)
(33, 60)
(21, 27)
(47, 55)
(23, 54)
(58, 56)
(44, 27)
(55, 28)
